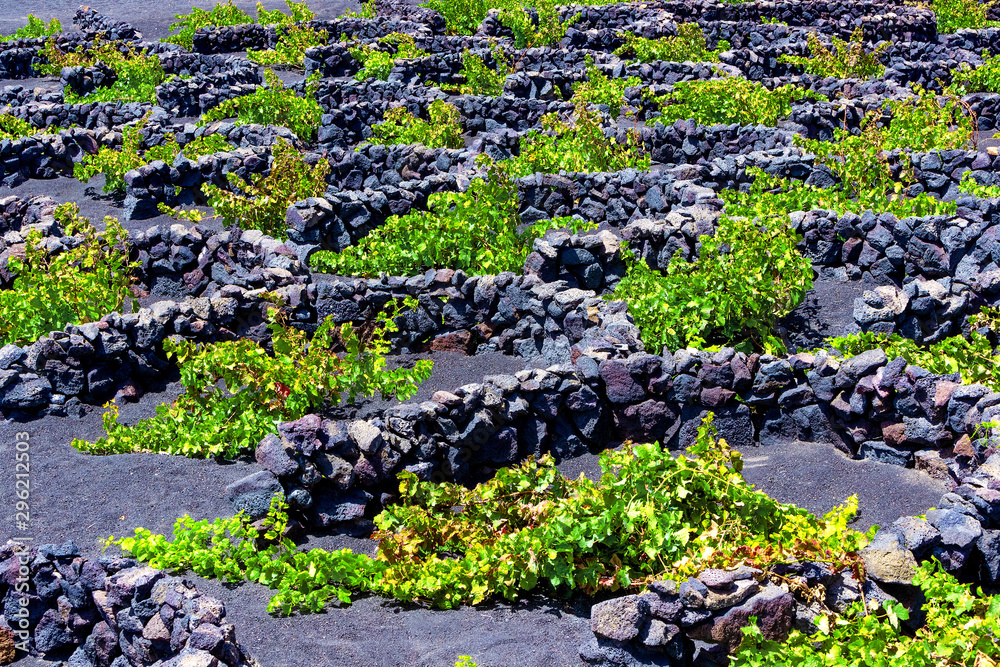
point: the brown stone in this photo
(930, 462)
(446, 398)
(156, 630)
(964, 447)
(773, 608)
(456, 341)
(943, 393)
(888, 560)
(714, 397)
(7, 642)
(485, 330)
(893, 434)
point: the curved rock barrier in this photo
(107, 612)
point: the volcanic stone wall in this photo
(108, 612)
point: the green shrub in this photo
(961, 628)
(138, 75)
(78, 285)
(475, 231)
(971, 356)
(955, 15)
(114, 164)
(298, 12)
(463, 17)
(529, 527)
(847, 60)
(748, 274)
(480, 79)
(235, 393)
(982, 79)
(443, 130)
(599, 88)
(970, 186)
(775, 196)
(689, 44)
(378, 64)
(293, 40)
(922, 123)
(273, 104)
(35, 28)
(218, 16)
(229, 14)
(731, 100)
(263, 202)
(368, 11)
(206, 144)
(859, 162)
(576, 146)
(228, 549)
(548, 29)
(138, 78)
(12, 127)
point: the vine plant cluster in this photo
(633, 197)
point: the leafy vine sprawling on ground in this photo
(846, 60)
(262, 202)
(273, 104)
(688, 44)
(261, 389)
(441, 130)
(34, 29)
(748, 274)
(652, 515)
(729, 100)
(476, 231)
(77, 285)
